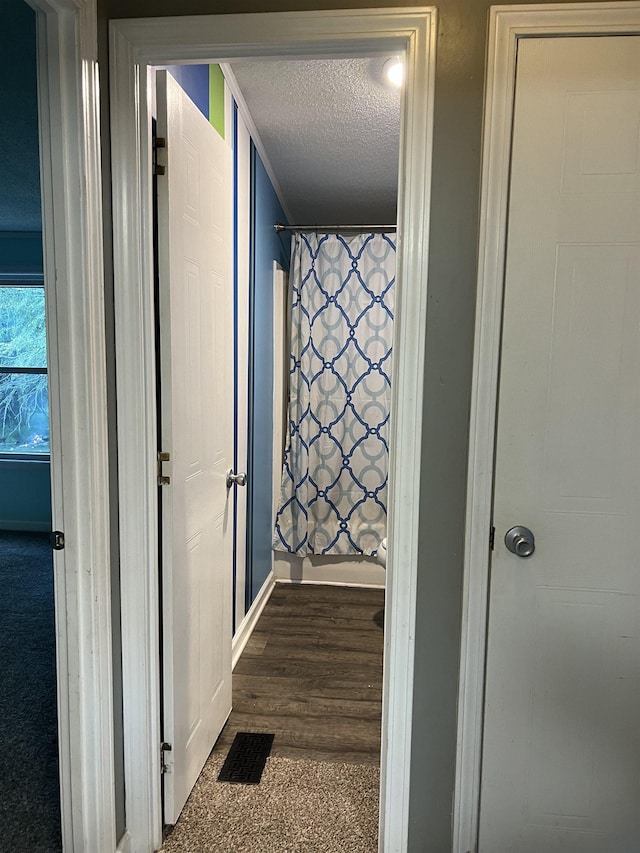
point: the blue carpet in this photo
(29, 787)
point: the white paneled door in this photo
(196, 412)
(561, 749)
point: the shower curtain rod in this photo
(280, 227)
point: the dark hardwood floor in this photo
(312, 674)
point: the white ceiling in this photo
(330, 129)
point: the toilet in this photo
(381, 554)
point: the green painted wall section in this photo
(216, 98)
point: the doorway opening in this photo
(224, 38)
(353, 281)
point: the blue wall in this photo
(266, 247)
(25, 496)
(20, 163)
(194, 80)
(20, 251)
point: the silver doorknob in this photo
(238, 479)
(520, 541)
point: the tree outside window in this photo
(24, 399)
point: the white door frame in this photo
(507, 25)
(135, 45)
(73, 267)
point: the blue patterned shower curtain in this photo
(333, 498)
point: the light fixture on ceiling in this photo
(394, 70)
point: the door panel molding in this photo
(135, 46)
(506, 26)
(195, 319)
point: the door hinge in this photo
(163, 479)
(158, 142)
(56, 540)
(164, 747)
(492, 538)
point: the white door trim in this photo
(73, 265)
(135, 45)
(507, 25)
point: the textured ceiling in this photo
(331, 130)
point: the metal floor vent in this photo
(246, 759)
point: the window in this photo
(24, 399)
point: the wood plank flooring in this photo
(312, 674)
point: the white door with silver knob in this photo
(196, 355)
(520, 541)
(561, 746)
(234, 479)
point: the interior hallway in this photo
(312, 675)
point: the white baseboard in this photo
(329, 570)
(349, 584)
(246, 627)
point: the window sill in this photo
(24, 457)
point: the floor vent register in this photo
(246, 759)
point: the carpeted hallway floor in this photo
(312, 675)
(299, 806)
(29, 788)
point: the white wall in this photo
(331, 569)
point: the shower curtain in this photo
(333, 498)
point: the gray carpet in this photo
(29, 788)
(300, 806)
